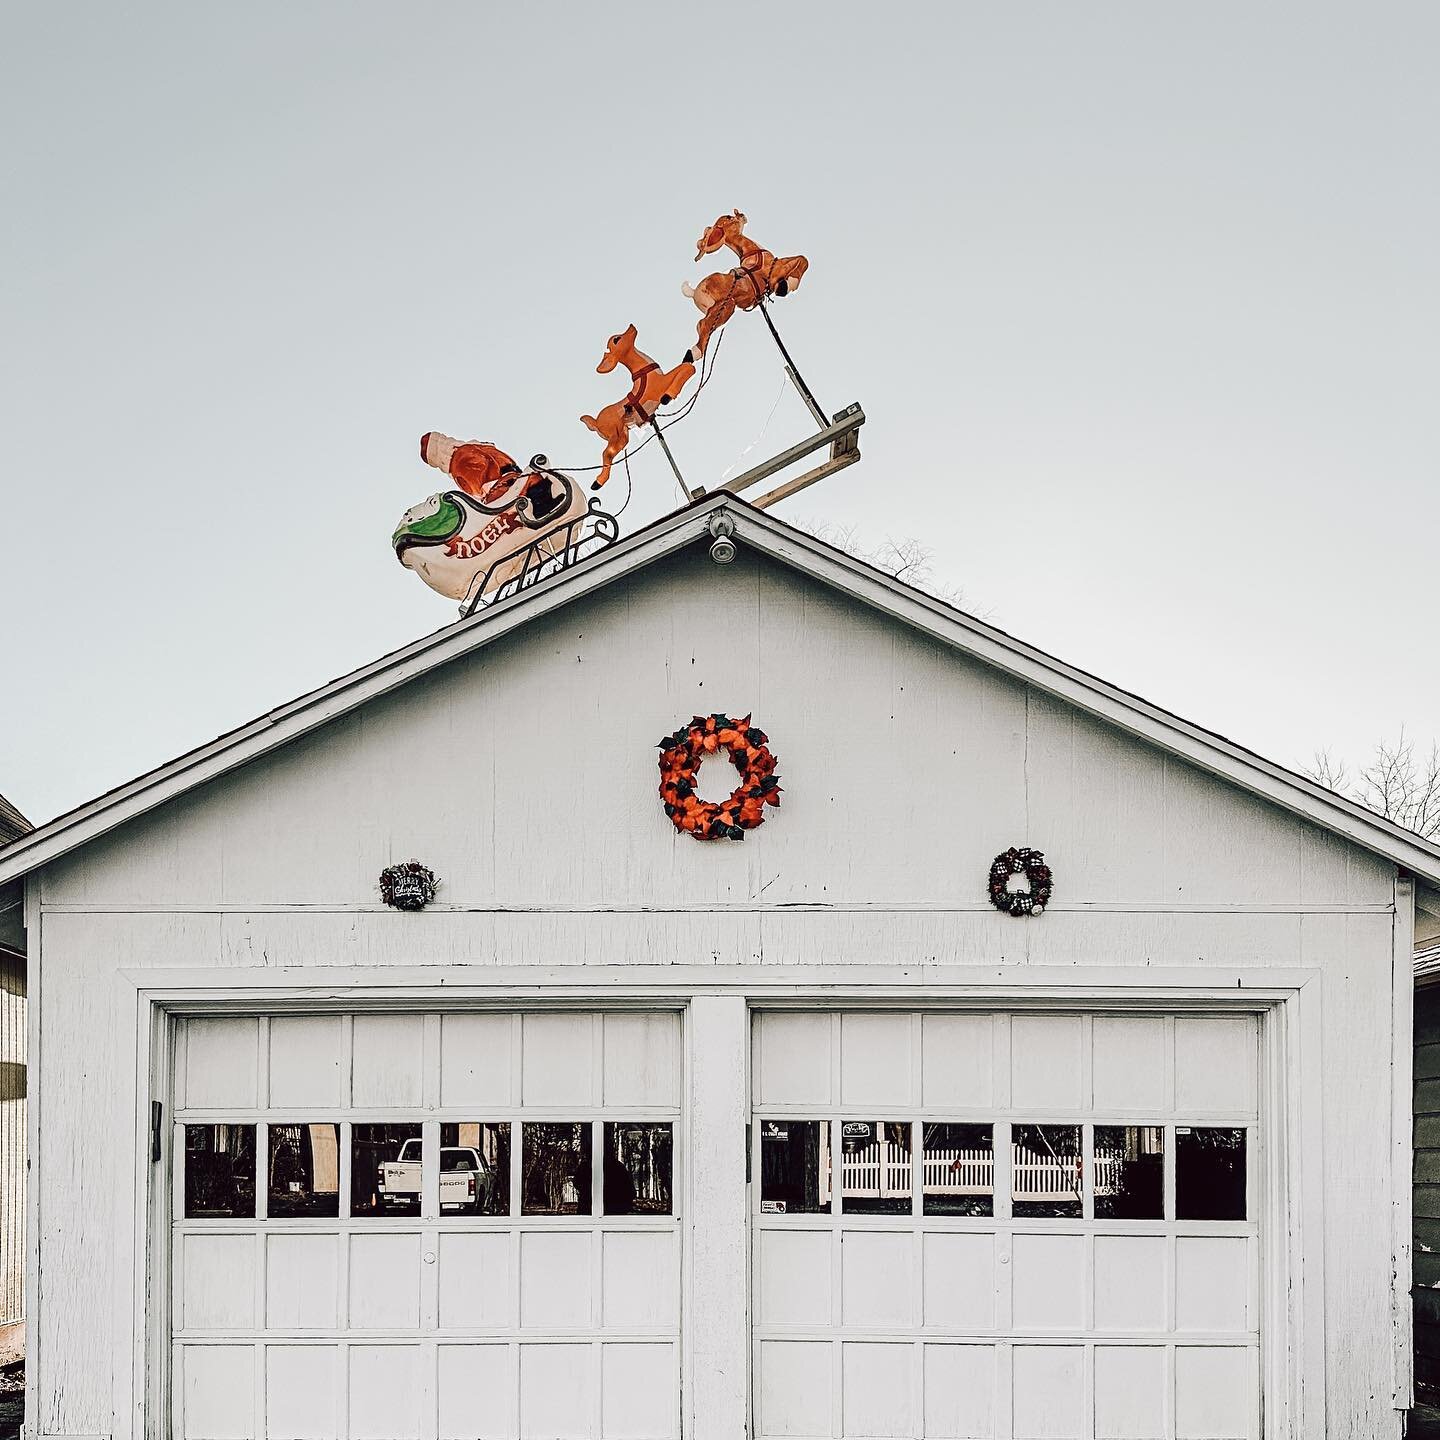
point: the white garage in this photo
(625, 1135)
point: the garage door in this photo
(428, 1226)
(1006, 1225)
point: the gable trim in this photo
(786, 545)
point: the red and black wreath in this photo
(681, 755)
(1029, 863)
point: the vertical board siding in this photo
(1427, 1191)
(12, 1139)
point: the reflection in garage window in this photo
(875, 1167)
(1129, 1172)
(385, 1169)
(958, 1168)
(475, 1169)
(1046, 1170)
(219, 1172)
(794, 1167)
(1209, 1173)
(304, 1170)
(556, 1177)
(638, 1157)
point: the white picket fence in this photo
(880, 1171)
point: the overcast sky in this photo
(1141, 301)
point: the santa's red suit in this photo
(476, 466)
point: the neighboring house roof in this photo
(770, 536)
(12, 823)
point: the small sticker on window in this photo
(772, 1207)
(775, 1131)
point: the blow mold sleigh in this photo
(502, 529)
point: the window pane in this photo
(1046, 1171)
(1129, 1172)
(556, 1179)
(385, 1170)
(795, 1167)
(875, 1167)
(638, 1158)
(304, 1170)
(958, 1169)
(1209, 1173)
(475, 1168)
(219, 1172)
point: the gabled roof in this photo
(12, 823)
(772, 537)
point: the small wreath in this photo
(407, 886)
(1031, 864)
(680, 758)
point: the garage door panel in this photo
(301, 1282)
(1046, 1070)
(640, 1284)
(221, 1064)
(300, 1391)
(217, 1392)
(1130, 1283)
(959, 1392)
(959, 1281)
(216, 1282)
(1128, 1065)
(476, 1064)
(877, 1278)
(384, 1392)
(638, 1392)
(1048, 1392)
(555, 1280)
(305, 1062)
(795, 1277)
(876, 1065)
(1212, 1283)
(1212, 1389)
(387, 1057)
(384, 1282)
(642, 1060)
(1129, 1392)
(1049, 1282)
(476, 1392)
(476, 1289)
(1216, 1064)
(795, 1388)
(792, 1059)
(557, 1392)
(877, 1389)
(958, 1059)
(558, 1060)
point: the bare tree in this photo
(1396, 783)
(907, 559)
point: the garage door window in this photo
(959, 1169)
(303, 1170)
(219, 1172)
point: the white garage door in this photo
(430, 1226)
(1037, 1226)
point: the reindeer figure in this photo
(758, 276)
(650, 388)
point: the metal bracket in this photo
(842, 435)
(157, 1133)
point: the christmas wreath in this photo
(681, 755)
(1029, 863)
(407, 886)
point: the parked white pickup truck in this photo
(462, 1178)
